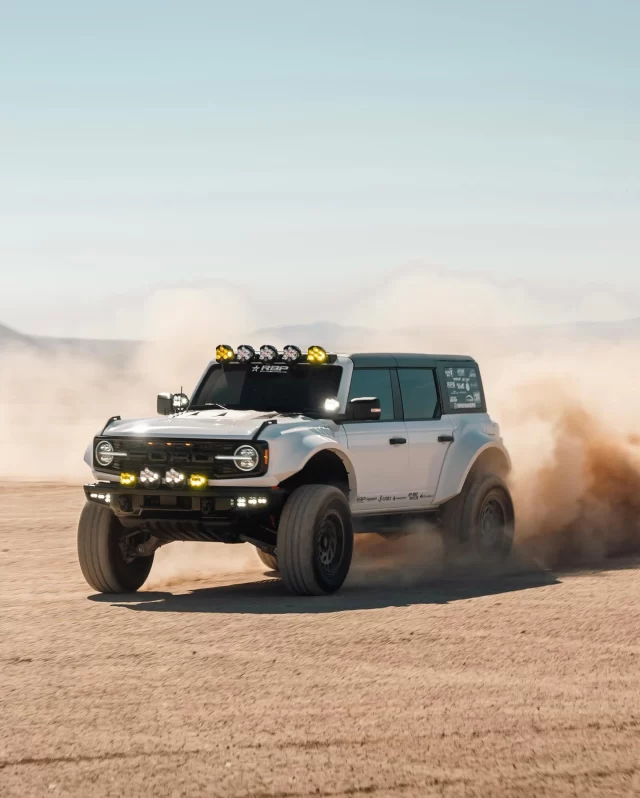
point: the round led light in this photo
(316, 354)
(245, 353)
(179, 401)
(246, 458)
(224, 353)
(291, 354)
(104, 453)
(331, 405)
(149, 478)
(268, 353)
(174, 478)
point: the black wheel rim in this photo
(330, 543)
(493, 522)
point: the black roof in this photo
(407, 359)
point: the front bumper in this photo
(225, 514)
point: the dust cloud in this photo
(567, 406)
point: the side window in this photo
(419, 394)
(374, 382)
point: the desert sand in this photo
(520, 684)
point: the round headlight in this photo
(246, 458)
(104, 453)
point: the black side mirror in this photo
(169, 403)
(364, 408)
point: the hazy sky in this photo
(275, 144)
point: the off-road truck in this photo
(293, 452)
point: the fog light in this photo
(198, 481)
(149, 478)
(253, 500)
(241, 502)
(262, 500)
(128, 480)
(174, 478)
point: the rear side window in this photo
(374, 383)
(419, 394)
(462, 389)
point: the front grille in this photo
(192, 456)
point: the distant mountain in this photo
(344, 338)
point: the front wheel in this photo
(107, 561)
(315, 540)
(481, 520)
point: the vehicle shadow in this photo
(269, 596)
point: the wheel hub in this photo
(492, 524)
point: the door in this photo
(430, 435)
(379, 450)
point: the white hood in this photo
(196, 424)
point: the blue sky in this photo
(261, 143)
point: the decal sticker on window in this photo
(463, 388)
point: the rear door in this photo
(430, 435)
(379, 449)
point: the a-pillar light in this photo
(268, 353)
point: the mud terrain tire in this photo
(268, 559)
(101, 557)
(315, 540)
(480, 521)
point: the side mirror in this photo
(364, 408)
(169, 403)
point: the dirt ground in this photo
(525, 684)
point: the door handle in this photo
(397, 441)
(445, 438)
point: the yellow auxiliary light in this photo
(224, 353)
(128, 480)
(316, 354)
(198, 481)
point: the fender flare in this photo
(451, 484)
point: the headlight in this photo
(104, 453)
(246, 458)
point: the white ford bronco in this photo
(293, 452)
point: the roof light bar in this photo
(224, 353)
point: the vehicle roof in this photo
(395, 359)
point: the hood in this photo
(196, 424)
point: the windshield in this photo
(285, 389)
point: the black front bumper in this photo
(229, 515)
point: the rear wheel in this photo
(480, 521)
(315, 540)
(269, 560)
(106, 556)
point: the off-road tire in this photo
(315, 540)
(466, 532)
(102, 561)
(269, 560)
